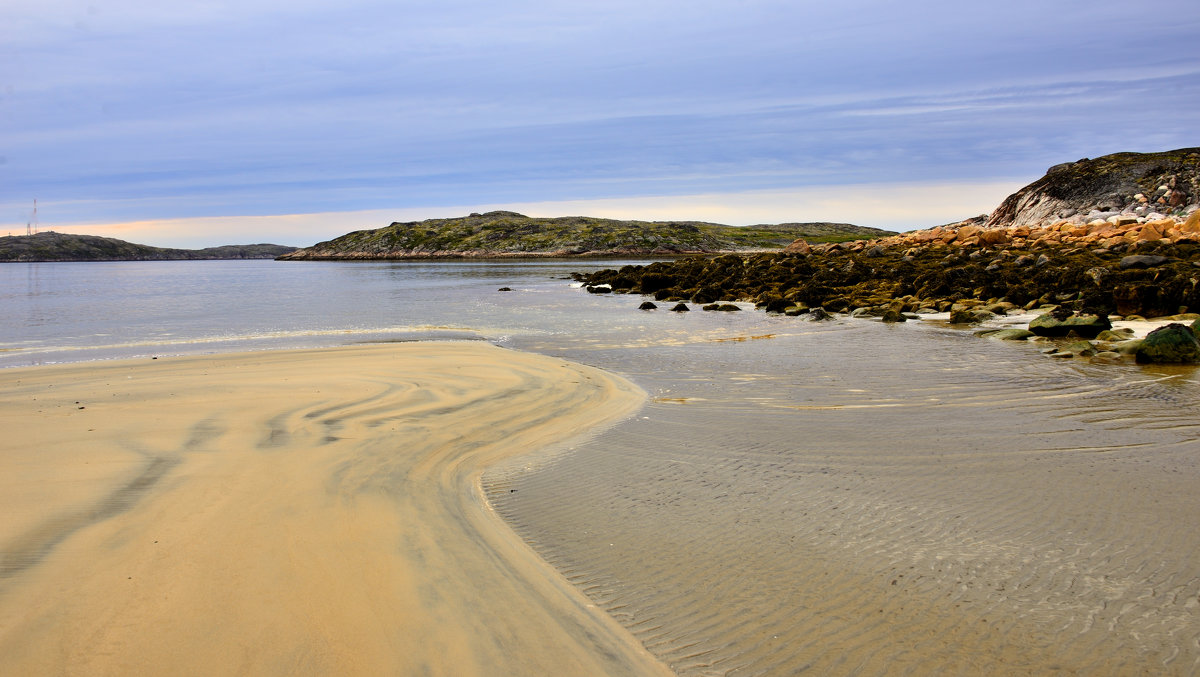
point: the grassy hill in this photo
(508, 234)
(52, 246)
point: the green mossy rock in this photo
(1173, 344)
(1086, 326)
(1080, 348)
(1011, 334)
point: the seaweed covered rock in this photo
(1085, 326)
(1175, 343)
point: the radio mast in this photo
(31, 226)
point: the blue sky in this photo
(201, 123)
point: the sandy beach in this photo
(291, 512)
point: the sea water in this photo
(843, 497)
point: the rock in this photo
(819, 313)
(722, 307)
(1080, 348)
(892, 315)
(798, 247)
(963, 317)
(1196, 328)
(1142, 261)
(1115, 334)
(1011, 334)
(1107, 356)
(777, 305)
(680, 308)
(1173, 344)
(971, 316)
(648, 305)
(504, 289)
(1129, 347)
(599, 289)
(1086, 326)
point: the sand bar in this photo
(291, 512)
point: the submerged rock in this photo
(680, 308)
(1173, 344)
(647, 305)
(1080, 348)
(892, 315)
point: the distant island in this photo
(51, 246)
(501, 234)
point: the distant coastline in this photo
(49, 246)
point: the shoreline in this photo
(250, 513)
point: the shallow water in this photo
(846, 497)
(858, 498)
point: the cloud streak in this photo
(120, 112)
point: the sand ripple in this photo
(978, 511)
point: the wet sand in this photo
(291, 512)
(853, 498)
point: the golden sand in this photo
(291, 512)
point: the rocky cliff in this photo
(1140, 184)
(508, 234)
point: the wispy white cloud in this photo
(124, 111)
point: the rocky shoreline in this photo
(1102, 266)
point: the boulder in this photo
(798, 247)
(1086, 326)
(1011, 334)
(647, 305)
(1142, 261)
(680, 308)
(504, 289)
(963, 317)
(1174, 343)
(819, 313)
(1080, 348)
(723, 307)
(599, 289)
(892, 315)
(1115, 334)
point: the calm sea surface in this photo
(844, 497)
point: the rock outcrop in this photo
(1122, 183)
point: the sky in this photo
(207, 122)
